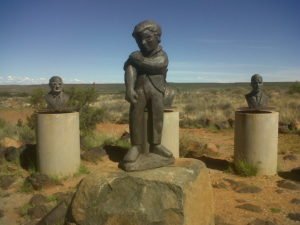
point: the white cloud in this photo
(269, 75)
(10, 79)
(75, 81)
(216, 73)
(225, 72)
(292, 74)
(208, 75)
(184, 64)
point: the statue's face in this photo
(147, 41)
(257, 83)
(56, 85)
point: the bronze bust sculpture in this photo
(145, 81)
(256, 98)
(56, 99)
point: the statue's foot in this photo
(161, 150)
(132, 154)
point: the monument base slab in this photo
(147, 161)
(179, 194)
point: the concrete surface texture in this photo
(58, 143)
(256, 140)
(170, 132)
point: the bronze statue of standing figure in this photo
(145, 81)
(256, 98)
(56, 99)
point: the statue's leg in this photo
(136, 123)
(156, 116)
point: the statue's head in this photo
(256, 82)
(56, 84)
(147, 35)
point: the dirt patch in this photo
(111, 129)
(275, 202)
(13, 115)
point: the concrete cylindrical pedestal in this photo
(170, 132)
(256, 140)
(58, 143)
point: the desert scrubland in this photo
(206, 133)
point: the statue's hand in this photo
(131, 96)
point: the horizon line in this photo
(94, 83)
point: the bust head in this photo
(256, 82)
(256, 98)
(147, 35)
(56, 84)
(56, 99)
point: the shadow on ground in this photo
(28, 157)
(293, 175)
(115, 153)
(212, 163)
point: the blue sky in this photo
(206, 40)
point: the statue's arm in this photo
(153, 65)
(130, 79)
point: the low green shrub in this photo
(13, 94)
(81, 100)
(116, 142)
(124, 118)
(31, 121)
(83, 170)
(37, 99)
(245, 169)
(26, 134)
(26, 187)
(23, 210)
(190, 123)
(6, 129)
(5, 94)
(275, 210)
(193, 146)
(89, 117)
(11, 168)
(294, 88)
(92, 140)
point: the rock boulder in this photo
(179, 194)
(9, 142)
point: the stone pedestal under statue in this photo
(178, 194)
(170, 132)
(58, 143)
(256, 139)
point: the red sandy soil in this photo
(13, 116)
(273, 200)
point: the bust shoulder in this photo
(65, 96)
(48, 97)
